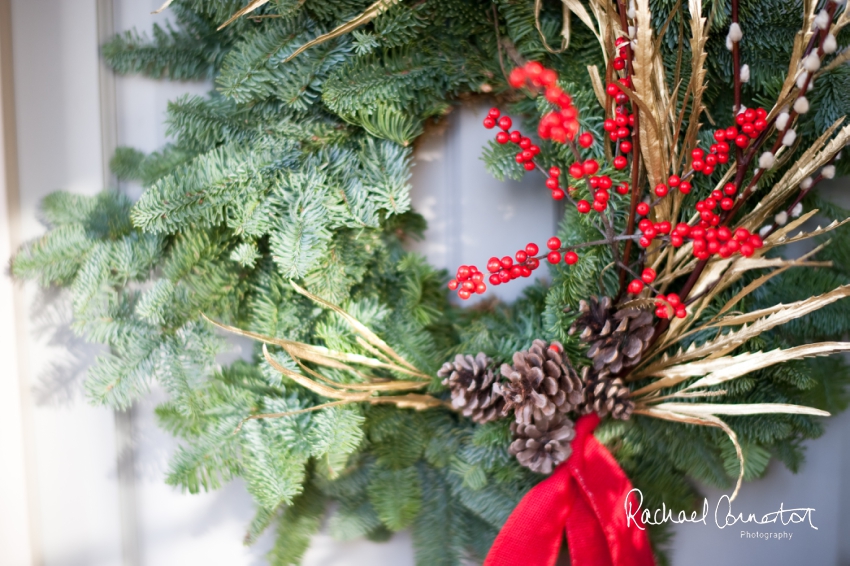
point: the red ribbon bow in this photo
(585, 495)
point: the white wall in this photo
(68, 448)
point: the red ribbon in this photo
(585, 495)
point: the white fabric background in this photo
(70, 450)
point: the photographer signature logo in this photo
(724, 516)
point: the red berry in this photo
(644, 225)
(558, 194)
(502, 137)
(583, 206)
(477, 277)
(733, 246)
(489, 122)
(554, 257)
(590, 167)
(553, 243)
(453, 284)
(681, 312)
(529, 165)
(547, 77)
(623, 132)
(648, 275)
(593, 182)
(517, 78)
(729, 189)
(625, 146)
(676, 240)
(748, 129)
(644, 242)
(619, 63)
(464, 294)
(707, 170)
(620, 162)
(507, 262)
(661, 190)
(576, 170)
(697, 153)
(555, 172)
(552, 183)
(494, 113)
(533, 263)
(505, 123)
(515, 271)
(494, 265)
(516, 136)
(755, 241)
(742, 234)
(742, 140)
(599, 205)
(468, 285)
(749, 114)
(463, 273)
(531, 249)
(731, 132)
(674, 181)
(504, 276)
(747, 250)
(494, 279)
(697, 165)
(722, 148)
(761, 113)
(612, 89)
(570, 258)
(740, 119)
(585, 140)
(723, 158)
(720, 135)
(609, 125)
(663, 227)
(527, 155)
(635, 287)
(643, 209)
(525, 143)
(622, 188)
(650, 232)
(521, 256)
(726, 203)
(710, 160)
(661, 312)
(713, 246)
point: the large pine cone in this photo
(606, 396)
(617, 338)
(471, 382)
(541, 383)
(542, 445)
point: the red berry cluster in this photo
(619, 127)
(664, 302)
(752, 122)
(527, 149)
(470, 280)
(647, 277)
(558, 125)
(553, 184)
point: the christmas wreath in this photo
(672, 341)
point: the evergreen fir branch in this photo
(396, 495)
(334, 435)
(54, 258)
(296, 526)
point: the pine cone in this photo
(471, 382)
(541, 383)
(617, 338)
(542, 445)
(605, 395)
